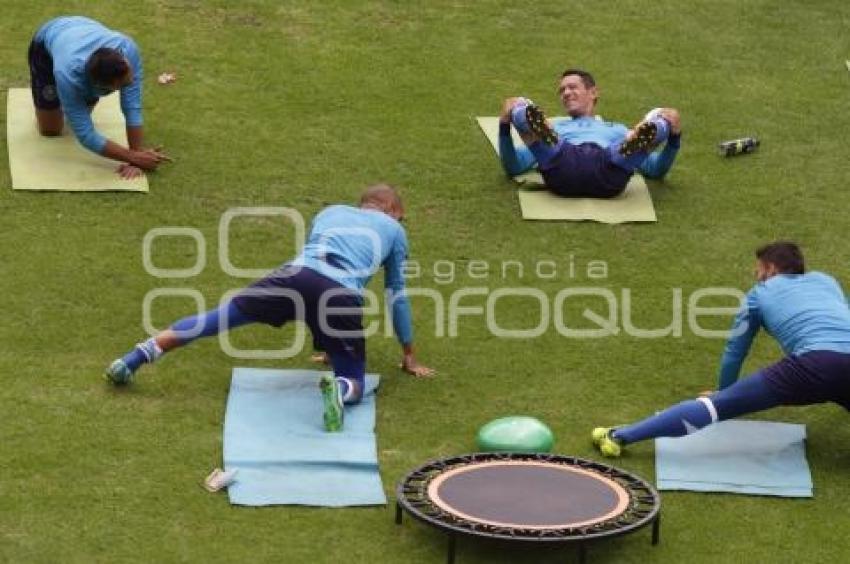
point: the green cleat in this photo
(642, 140)
(537, 123)
(332, 397)
(607, 444)
(119, 373)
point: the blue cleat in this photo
(119, 373)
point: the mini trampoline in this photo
(528, 498)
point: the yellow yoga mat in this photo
(536, 203)
(61, 163)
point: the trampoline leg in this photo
(452, 544)
(656, 528)
(582, 553)
(397, 513)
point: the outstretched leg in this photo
(745, 396)
(227, 316)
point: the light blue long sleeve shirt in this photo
(803, 312)
(349, 245)
(70, 41)
(587, 129)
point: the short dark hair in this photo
(106, 65)
(586, 77)
(784, 255)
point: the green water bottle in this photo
(738, 146)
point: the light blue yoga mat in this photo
(275, 439)
(747, 457)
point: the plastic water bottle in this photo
(738, 146)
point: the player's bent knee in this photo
(710, 407)
(354, 397)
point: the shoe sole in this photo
(537, 123)
(643, 139)
(333, 414)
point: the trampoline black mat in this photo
(528, 494)
(527, 498)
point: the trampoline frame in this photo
(412, 496)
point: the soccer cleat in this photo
(643, 138)
(119, 373)
(332, 399)
(536, 120)
(605, 442)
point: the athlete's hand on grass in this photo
(128, 171)
(148, 159)
(707, 393)
(411, 366)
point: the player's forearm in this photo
(730, 369)
(116, 152)
(135, 137)
(402, 319)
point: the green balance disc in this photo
(515, 434)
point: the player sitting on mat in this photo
(585, 156)
(73, 62)
(809, 316)
(322, 287)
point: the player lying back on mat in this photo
(809, 316)
(322, 287)
(585, 156)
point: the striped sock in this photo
(681, 419)
(145, 352)
(346, 388)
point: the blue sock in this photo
(147, 351)
(188, 329)
(135, 358)
(681, 419)
(747, 395)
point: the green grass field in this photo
(301, 104)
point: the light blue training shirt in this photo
(70, 41)
(588, 129)
(803, 312)
(349, 245)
